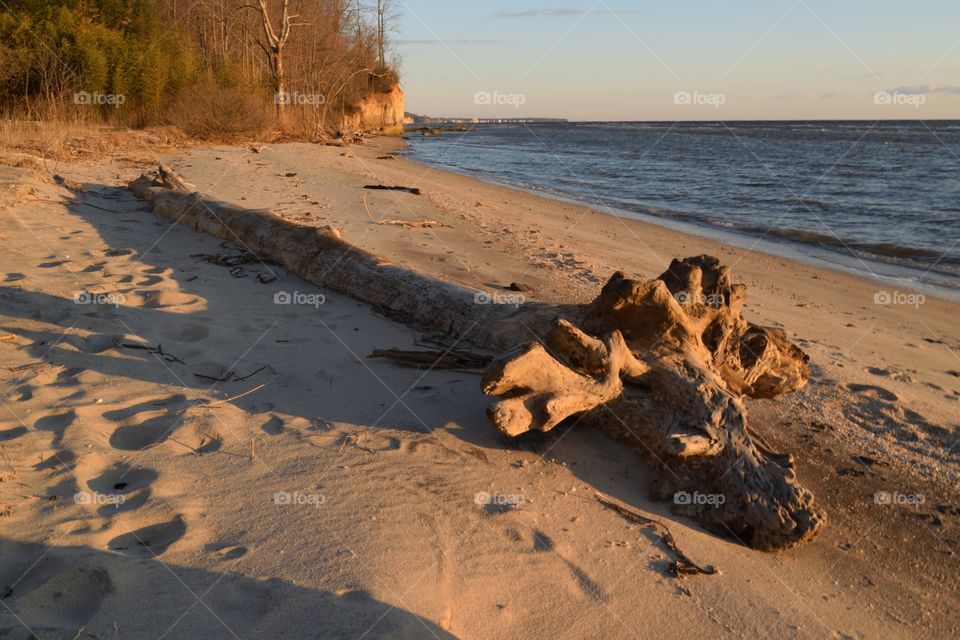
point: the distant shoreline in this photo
(778, 242)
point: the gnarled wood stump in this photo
(662, 366)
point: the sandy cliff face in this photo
(380, 110)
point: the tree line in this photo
(213, 67)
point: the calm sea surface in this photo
(879, 198)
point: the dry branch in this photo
(413, 224)
(382, 187)
(449, 359)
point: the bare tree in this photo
(274, 46)
(384, 10)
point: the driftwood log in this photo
(664, 366)
(661, 365)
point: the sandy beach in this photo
(185, 457)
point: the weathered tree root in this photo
(662, 365)
(667, 377)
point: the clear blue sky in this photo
(736, 59)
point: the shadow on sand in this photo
(75, 592)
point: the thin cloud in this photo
(540, 13)
(559, 13)
(449, 42)
(925, 89)
(828, 94)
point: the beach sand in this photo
(184, 458)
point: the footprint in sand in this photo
(166, 299)
(72, 377)
(56, 461)
(12, 433)
(131, 485)
(880, 411)
(226, 551)
(56, 424)
(273, 426)
(873, 391)
(149, 281)
(96, 343)
(146, 423)
(150, 541)
(63, 602)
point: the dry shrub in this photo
(31, 143)
(210, 111)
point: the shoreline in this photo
(808, 254)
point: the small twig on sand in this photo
(232, 398)
(247, 377)
(383, 187)
(229, 376)
(682, 566)
(184, 444)
(92, 206)
(157, 351)
(68, 183)
(31, 365)
(413, 224)
(450, 359)
(365, 206)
